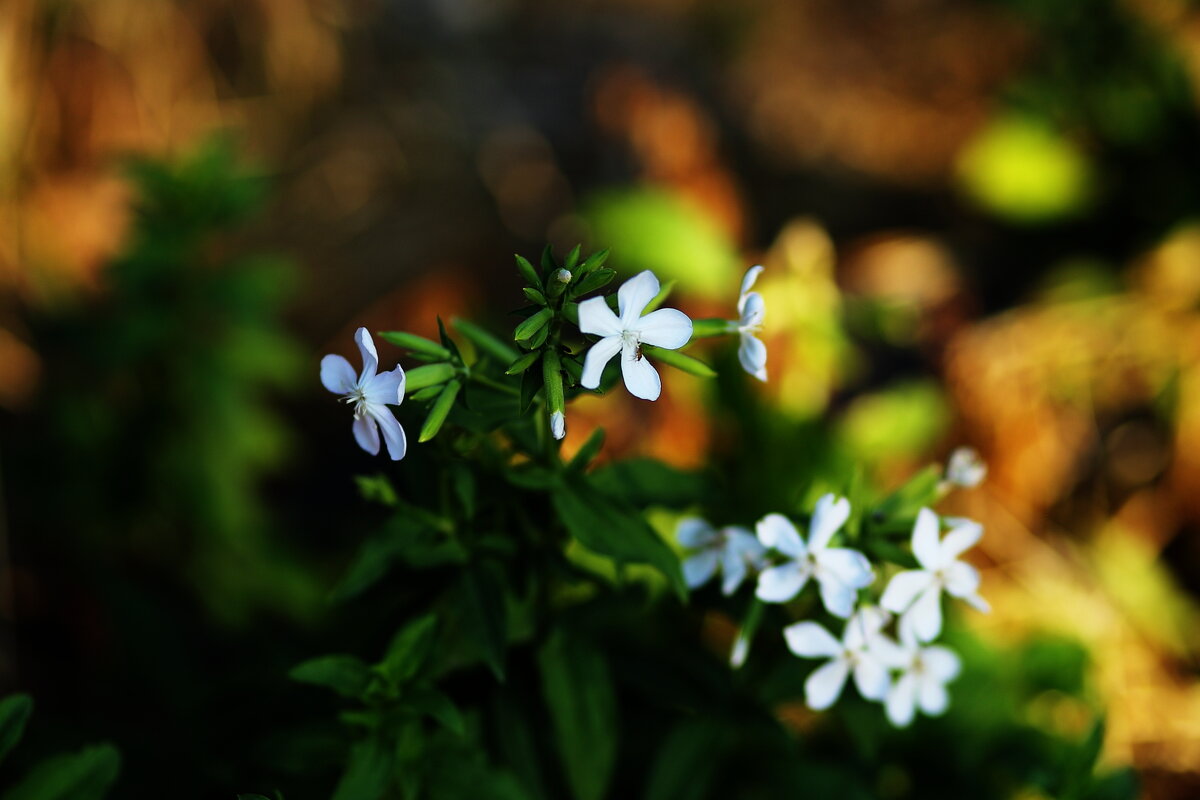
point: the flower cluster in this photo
(904, 671)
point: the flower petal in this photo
(961, 538)
(668, 328)
(864, 627)
(633, 296)
(941, 663)
(925, 616)
(901, 700)
(977, 602)
(393, 434)
(698, 569)
(903, 589)
(733, 571)
(366, 433)
(932, 696)
(745, 544)
(752, 354)
(888, 652)
(370, 358)
(782, 583)
(849, 566)
(641, 378)
(871, 678)
(597, 357)
(925, 544)
(386, 388)
(775, 531)
(597, 318)
(824, 686)
(810, 640)
(751, 310)
(962, 579)
(837, 596)
(829, 515)
(337, 375)
(694, 532)
(748, 280)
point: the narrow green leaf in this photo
(703, 328)
(484, 340)
(583, 709)
(346, 675)
(531, 384)
(534, 296)
(437, 414)
(428, 393)
(409, 650)
(680, 361)
(418, 344)
(570, 312)
(484, 598)
(920, 491)
(14, 713)
(686, 762)
(432, 703)
(589, 450)
(663, 293)
(518, 747)
(426, 376)
(643, 482)
(377, 489)
(523, 363)
(528, 272)
(539, 338)
(552, 378)
(594, 261)
(86, 775)
(548, 264)
(368, 772)
(526, 330)
(447, 342)
(572, 257)
(590, 283)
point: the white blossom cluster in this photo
(905, 671)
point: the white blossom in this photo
(965, 468)
(733, 548)
(917, 593)
(863, 651)
(370, 393)
(558, 424)
(840, 572)
(752, 353)
(924, 673)
(668, 328)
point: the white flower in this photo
(924, 673)
(840, 572)
(667, 328)
(863, 651)
(751, 351)
(734, 548)
(965, 468)
(917, 593)
(371, 394)
(558, 424)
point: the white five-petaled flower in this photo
(917, 593)
(839, 571)
(965, 468)
(751, 350)
(924, 673)
(668, 328)
(735, 549)
(370, 393)
(863, 651)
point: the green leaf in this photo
(86, 775)
(428, 393)
(590, 283)
(484, 602)
(484, 340)
(921, 491)
(548, 260)
(644, 482)
(376, 488)
(594, 261)
(531, 384)
(432, 703)
(426, 376)
(531, 326)
(528, 272)
(523, 363)
(703, 328)
(534, 296)
(663, 293)
(582, 703)
(570, 312)
(437, 414)
(533, 477)
(368, 772)
(607, 526)
(409, 650)
(681, 361)
(552, 378)
(589, 450)
(447, 342)
(346, 675)
(572, 257)
(686, 761)
(417, 344)
(404, 541)
(14, 713)
(515, 739)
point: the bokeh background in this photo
(980, 221)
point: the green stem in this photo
(483, 380)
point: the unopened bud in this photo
(563, 276)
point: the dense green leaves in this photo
(14, 713)
(86, 775)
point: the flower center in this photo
(359, 398)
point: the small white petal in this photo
(641, 378)
(595, 317)
(366, 433)
(932, 696)
(749, 278)
(387, 388)
(925, 616)
(633, 296)
(925, 544)
(962, 580)
(941, 663)
(961, 538)
(838, 597)
(393, 434)
(595, 360)
(370, 358)
(733, 572)
(782, 583)
(901, 701)
(698, 569)
(668, 328)
(824, 686)
(694, 532)
(741, 649)
(889, 653)
(751, 310)
(871, 678)
(752, 355)
(977, 602)
(746, 545)
(337, 375)
(903, 588)
(810, 640)
(864, 627)
(558, 425)
(849, 566)
(829, 515)
(777, 532)
(965, 468)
